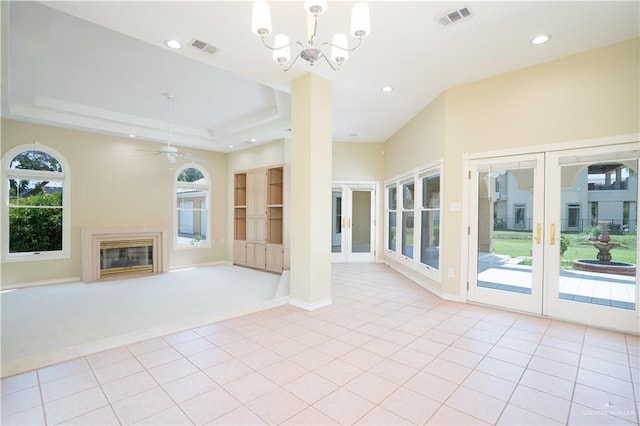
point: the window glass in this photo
(430, 222)
(36, 204)
(192, 202)
(392, 217)
(407, 218)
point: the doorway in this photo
(539, 224)
(353, 222)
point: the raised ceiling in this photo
(103, 66)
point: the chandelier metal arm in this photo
(342, 48)
(281, 47)
(333, 67)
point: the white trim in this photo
(64, 176)
(310, 306)
(561, 146)
(41, 283)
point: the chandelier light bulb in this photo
(261, 18)
(281, 52)
(360, 21)
(339, 48)
(315, 7)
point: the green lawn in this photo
(517, 244)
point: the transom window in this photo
(192, 207)
(36, 208)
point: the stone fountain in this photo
(604, 264)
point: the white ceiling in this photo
(103, 66)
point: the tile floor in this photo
(385, 352)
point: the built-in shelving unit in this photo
(260, 237)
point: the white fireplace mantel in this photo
(91, 237)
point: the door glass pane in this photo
(598, 233)
(505, 225)
(361, 223)
(391, 220)
(336, 222)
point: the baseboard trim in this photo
(310, 306)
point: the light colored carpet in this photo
(46, 325)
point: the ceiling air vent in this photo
(454, 16)
(205, 47)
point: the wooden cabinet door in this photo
(240, 252)
(256, 193)
(275, 258)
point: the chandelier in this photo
(311, 51)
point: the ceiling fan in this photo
(171, 153)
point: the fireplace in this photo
(111, 253)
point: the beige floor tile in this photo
(170, 416)
(21, 400)
(517, 344)
(239, 416)
(472, 345)
(553, 368)
(18, 382)
(461, 356)
(189, 386)
(28, 417)
(335, 348)
(541, 403)
(64, 369)
(562, 343)
(509, 355)
(476, 404)
(209, 406)
(142, 405)
(74, 405)
(173, 370)
(282, 372)
(450, 416)
(117, 370)
(427, 346)
(355, 338)
(516, 416)
(311, 358)
(311, 387)
(227, 372)
(128, 386)
(489, 385)
(344, 406)
(549, 384)
(393, 371)
(250, 387)
(619, 371)
(209, 358)
(410, 405)
(605, 383)
(447, 370)
(380, 416)
(260, 359)
(371, 387)
(362, 358)
(412, 357)
(431, 386)
(101, 416)
(338, 372)
(311, 417)
(159, 357)
(276, 406)
(612, 404)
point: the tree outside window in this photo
(192, 207)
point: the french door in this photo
(353, 223)
(535, 228)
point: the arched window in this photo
(36, 207)
(192, 207)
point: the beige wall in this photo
(358, 161)
(590, 95)
(113, 184)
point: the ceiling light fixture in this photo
(540, 39)
(174, 44)
(311, 52)
(387, 89)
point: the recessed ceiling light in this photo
(387, 89)
(131, 135)
(174, 44)
(229, 146)
(253, 140)
(540, 39)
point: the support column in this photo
(311, 172)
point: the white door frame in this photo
(627, 322)
(347, 188)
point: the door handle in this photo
(552, 237)
(349, 223)
(538, 236)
